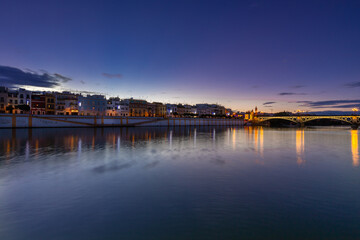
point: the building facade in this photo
(92, 105)
(13, 102)
(24, 97)
(137, 107)
(22, 101)
(49, 104)
(210, 110)
(38, 104)
(3, 99)
(116, 108)
(160, 109)
(66, 103)
(171, 110)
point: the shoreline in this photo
(64, 121)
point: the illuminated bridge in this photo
(301, 120)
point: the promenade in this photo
(44, 121)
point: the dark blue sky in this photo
(237, 53)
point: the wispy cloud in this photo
(290, 93)
(90, 92)
(268, 103)
(13, 77)
(85, 92)
(62, 78)
(352, 85)
(111, 76)
(331, 103)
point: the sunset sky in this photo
(278, 55)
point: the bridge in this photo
(354, 121)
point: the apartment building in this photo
(3, 99)
(116, 108)
(38, 104)
(92, 105)
(160, 109)
(66, 103)
(137, 107)
(49, 104)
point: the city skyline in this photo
(277, 56)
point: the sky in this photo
(276, 55)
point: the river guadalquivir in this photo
(180, 183)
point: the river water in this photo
(180, 183)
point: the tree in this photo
(284, 113)
(25, 108)
(10, 108)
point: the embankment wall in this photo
(43, 121)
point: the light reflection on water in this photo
(300, 146)
(355, 147)
(179, 183)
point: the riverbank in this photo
(58, 121)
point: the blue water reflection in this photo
(179, 183)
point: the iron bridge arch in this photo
(304, 119)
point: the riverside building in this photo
(22, 101)
(115, 107)
(92, 105)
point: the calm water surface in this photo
(182, 183)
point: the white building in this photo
(115, 107)
(24, 97)
(194, 110)
(171, 109)
(210, 109)
(94, 105)
(188, 108)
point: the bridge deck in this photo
(302, 119)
